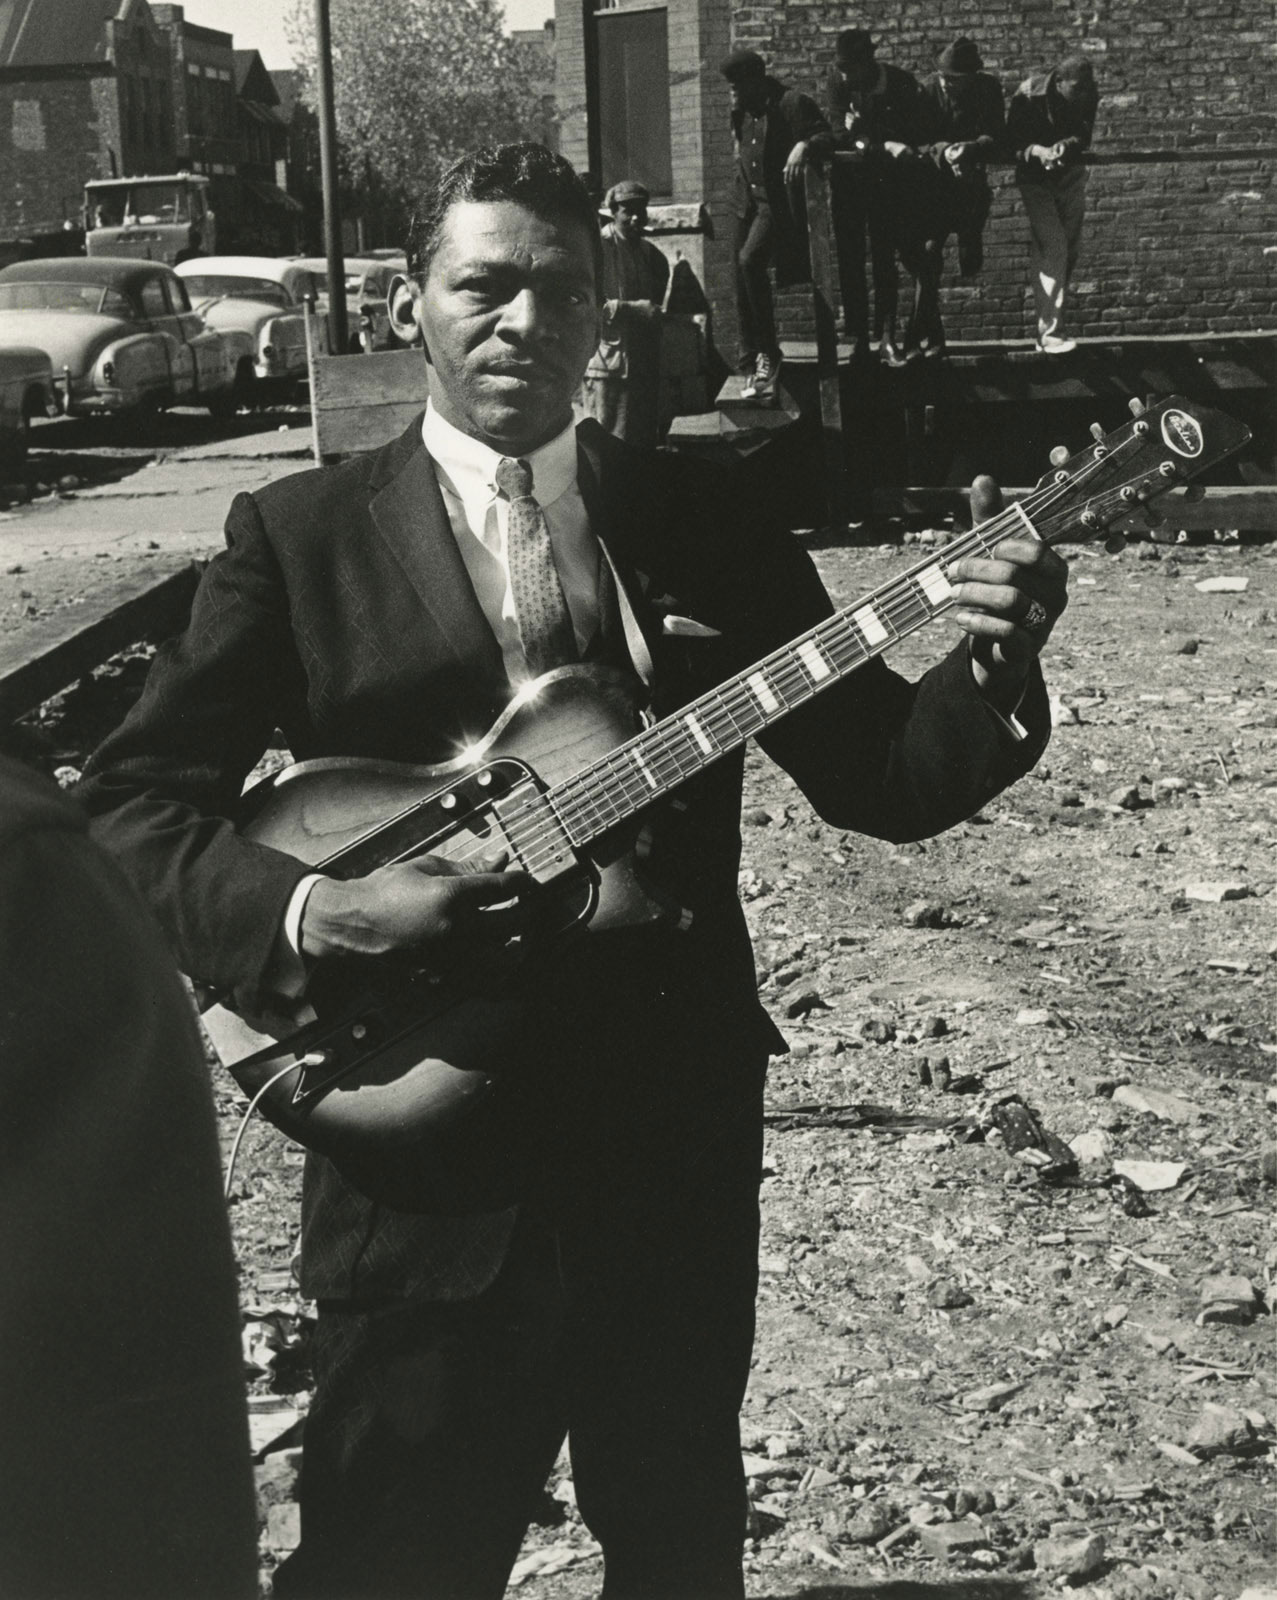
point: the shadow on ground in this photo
(972, 1588)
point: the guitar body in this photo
(411, 1080)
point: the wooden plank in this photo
(1252, 508)
(41, 659)
(361, 402)
(824, 275)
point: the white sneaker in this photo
(766, 378)
(1050, 344)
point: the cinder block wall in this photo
(1168, 248)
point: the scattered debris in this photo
(1227, 1297)
(1071, 1555)
(1157, 1103)
(1151, 1176)
(1222, 1431)
(1216, 893)
(990, 1398)
(1222, 585)
(947, 1539)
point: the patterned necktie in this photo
(545, 623)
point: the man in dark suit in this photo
(381, 609)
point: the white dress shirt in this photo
(466, 471)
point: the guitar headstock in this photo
(1164, 446)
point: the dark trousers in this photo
(870, 209)
(622, 1317)
(755, 308)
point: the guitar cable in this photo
(244, 1121)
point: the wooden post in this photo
(337, 335)
(824, 271)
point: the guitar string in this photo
(901, 610)
(792, 684)
(897, 603)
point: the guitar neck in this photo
(664, 756)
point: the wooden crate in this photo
(359, 402)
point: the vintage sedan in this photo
(259, 306)
(368, 283)
(26, 391)
(119, 333)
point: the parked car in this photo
(26, 391)
(367, 285)
(119, 333)
(258, 305)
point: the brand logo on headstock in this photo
(1182, 433)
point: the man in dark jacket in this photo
(773, 127)
(882, 189)
(382, 609)
(967, 127)
(1049, 126)
(622, 384)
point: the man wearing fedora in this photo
(622, 384)
(773, 128)
(884, 193)
(968, 129)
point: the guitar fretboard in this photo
(662, 757)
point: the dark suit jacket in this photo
(341, 614)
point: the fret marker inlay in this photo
(870, 624)
(761, 690)
(644, 768)
(698, 733)
(934, 583)
(812, 657)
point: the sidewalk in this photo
(56, 553)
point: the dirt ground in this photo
(980, 1372)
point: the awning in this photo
(272, 194)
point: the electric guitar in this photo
(399, 1080)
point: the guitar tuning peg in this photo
(1097, 432)
(1194, 492)
(1059, 455)
(1136, 406)
(1115, 543)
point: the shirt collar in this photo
(471, 466)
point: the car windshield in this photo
(208, 285)
(139, 202)
(89, 299)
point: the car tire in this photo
(226, 402)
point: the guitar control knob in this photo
(1059, 455)
(449, 802)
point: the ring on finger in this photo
(1035, 618)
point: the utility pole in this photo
(337, 331)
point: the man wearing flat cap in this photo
(773, 128)
(885, 195)
(622, 384)
(965, 105)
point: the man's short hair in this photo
(744, 66)
(527, 174)
(1075, 69)
(628, 192)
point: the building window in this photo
(629, 91)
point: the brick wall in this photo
(52, 135)
(1174, 247)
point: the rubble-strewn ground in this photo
(975, 1376)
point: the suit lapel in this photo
(605, 505)
(410, 515)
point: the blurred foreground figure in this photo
(125, 1472)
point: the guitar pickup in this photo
(536, 836)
